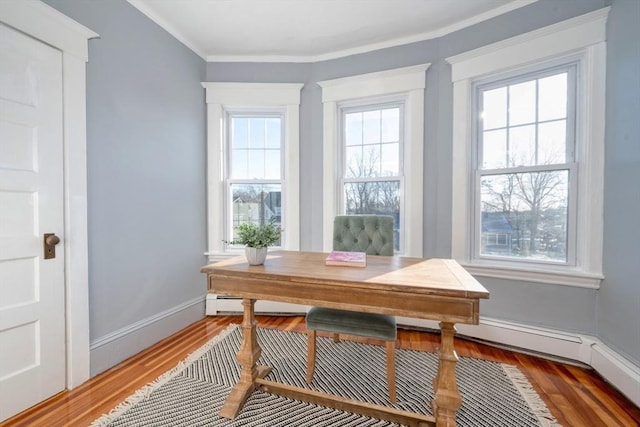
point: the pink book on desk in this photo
(347, 259)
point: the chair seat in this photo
(370, 325)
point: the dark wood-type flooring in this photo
(576, 396)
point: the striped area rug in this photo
(192, 393)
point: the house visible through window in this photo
(255, 173)
(525, 166)
(372, 166)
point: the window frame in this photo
(229, 181)
(582, 39)
(570, 65)
(374, 104)
(407, 82)
(250, 97)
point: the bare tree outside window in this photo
(372, 166)
(530, 209)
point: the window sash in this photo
(571, 234)
(501, 81)
(343, 181)
(258, 114)
(230, 181)
(569, 165)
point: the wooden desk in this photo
(436, 289)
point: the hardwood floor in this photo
(575, 396)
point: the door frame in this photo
(48, 25)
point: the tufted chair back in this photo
(372, 234)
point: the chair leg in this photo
(336, 338)
(391, 370)
(311, 354)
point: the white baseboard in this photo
(616, 369)
(620, 372)
(113, 348)
(588, 350)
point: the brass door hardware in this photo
(50, 242)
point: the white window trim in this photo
(407, 81)
(585, 36)
(229, 96)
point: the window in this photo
(252, 160)
(254, 174)
(371, 167)
(528, 144)
(373, 135)
(525, 169)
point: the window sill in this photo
(564, 277)
(221, 256)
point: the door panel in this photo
(32, 306)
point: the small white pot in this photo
(255, 256)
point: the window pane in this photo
(494, 149)
(274, 129)
(494, 108)
(239, 132)
(525, 215)
(362, 162)
(391, 125)
(522, 146)
(378, 198)
(239, 162)
(522, 103)
(255, 203)
(552, 103)
(272, 164)
(371, 127)
(353, 132)
(370, 165)
(390, 163)
(256, 164)
(353, 162)
(552, 142)
(256, 132)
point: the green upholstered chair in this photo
(372, 234)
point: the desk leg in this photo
(447, 399)
(247, 357)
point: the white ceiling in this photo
(311, 30)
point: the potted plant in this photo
(256, 238)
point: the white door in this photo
(32, 304)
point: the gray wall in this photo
(610, 313)
(146, 164)
(618, 311)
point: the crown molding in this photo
(142, 7)
(399, 41)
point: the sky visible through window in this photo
(372, 163)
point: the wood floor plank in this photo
(575, 396)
